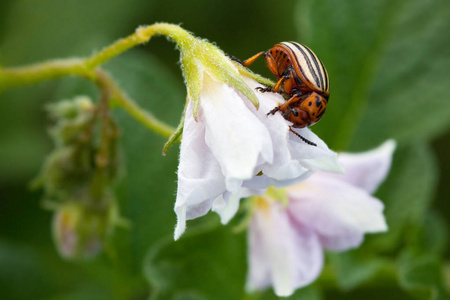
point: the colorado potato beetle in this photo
(302, 77)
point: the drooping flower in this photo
(327, 211)
(230, 149)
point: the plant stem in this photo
(21, 76)
(87, 68)
(174, 32)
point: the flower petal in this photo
(283, 167)
(235, 136)
(338, 211)
(258, 275)
(318, 157)
(263, 181)
(200, 179)
(281, 252)
(227, 205)
(367, 170)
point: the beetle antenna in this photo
(302, 138)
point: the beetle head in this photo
(307, 112)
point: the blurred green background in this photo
(388, 63)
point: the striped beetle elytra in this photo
(302, 77)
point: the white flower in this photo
(328, 211)
(231, 143)
(230, 148)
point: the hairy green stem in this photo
(21, 76)
(87, 68)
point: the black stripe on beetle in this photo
(297, 63)
(313, 56)
(327, 81)
(308, 61)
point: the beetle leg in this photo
(302, 138)
(289, 102)
(277, 86)
(284, 105)
(252, 59)
(233, 58)
(272, 64)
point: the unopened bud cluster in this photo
(78, 175)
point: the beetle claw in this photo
(263, 90)
(234, 58)
(273, 111)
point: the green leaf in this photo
(407, 193)
(23, 139)
(387, 61)
(40, 272)
(353, 268)
(422, 276)
(57, 30)
(407, 101)
(432, 236)
(189, 296)
(208, 262)
(310, 292)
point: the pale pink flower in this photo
(326, 212)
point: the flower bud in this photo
(72, 119)
(80, 231)
(65, 170)
(201, 59)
